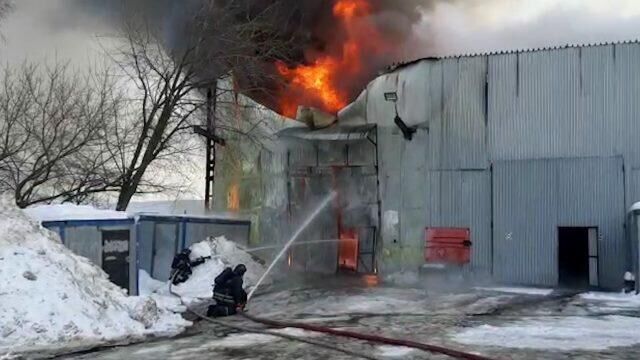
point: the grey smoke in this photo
(420, 27)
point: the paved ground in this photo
(401, 313)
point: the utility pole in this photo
(211, 147)
(209, 133)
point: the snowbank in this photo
(224, 253)
(52, 298)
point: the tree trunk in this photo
(124, 198)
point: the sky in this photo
(45, 29)
(473, 26)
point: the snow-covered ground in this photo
(557, 333)
(517, 290)
(53, 298)
(603, 326)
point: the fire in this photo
(233, 197)
(323, 81)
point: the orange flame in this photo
(318, 84)
(233, 197)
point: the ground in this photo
(500, 323)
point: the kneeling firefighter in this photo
(228, 292)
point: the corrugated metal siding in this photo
(578, 102)
(165, 247)
(591, 193)
(525, 206)
(532, 198)
(85, 241)
(463, 199)
(197, 232)
(561, 105)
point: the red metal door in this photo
(448, 246)
(348, 250)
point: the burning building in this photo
(525, 162)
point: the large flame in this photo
(321, 83)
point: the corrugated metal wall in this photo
(576, 107)
(532, 198)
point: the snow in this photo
(404, 278)
(200, 250)
(518, 290)
(373, 301)
(394, 351)
(52, 298)
(614, 300)
(224, 254)
(72, 212)
(567, 333)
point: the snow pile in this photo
(568, 333)
(52, 298)
(223, 253)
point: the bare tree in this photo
(53, 126)
(170, 82)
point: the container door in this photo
(115, 256)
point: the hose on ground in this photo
(270, 333)
(367, 337)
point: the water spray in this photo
(293, 238)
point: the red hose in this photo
(367, 337)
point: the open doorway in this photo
(577, 257)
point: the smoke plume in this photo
(404, 30)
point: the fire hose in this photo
(367, 337)
(267, 332)
(330, 331)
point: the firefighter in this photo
(182, 266)
(228, 292)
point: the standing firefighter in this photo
(181, 267)
(228, 292)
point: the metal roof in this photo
(400, 65)
(333, 133)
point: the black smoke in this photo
(307, 26)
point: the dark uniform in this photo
(181, 267)
(228, 292)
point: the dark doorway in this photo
(573, 257)
(115, 256)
